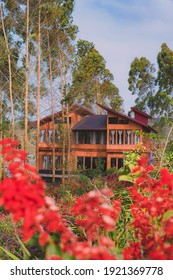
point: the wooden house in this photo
(94, 138)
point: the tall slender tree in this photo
(27, 77)
(142, 83)
(164, 96)
(9, 68)
(57, 49)
(92, 82)
(39, 84)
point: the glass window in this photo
(95, 163)
(136, 137)
(58, 136)
(87, 137)
(113, 120)
(120, 163)
(57, 162)
(42, 135)
(50, 135)
(57, 121)
(67, 120)
(112, 137)
(120, 137)
(79, 137)
(87, 162)
(96, 137)
(128, 137)
(80, 162)
(47, 162)
(104, 163)
(113, 162)
(123, 121)
(103, 137)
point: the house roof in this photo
(140, 112)
(146, 127)
(81, 110)
(95, 122)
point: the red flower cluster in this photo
(152, 201)
(23, 195)
(97, 211)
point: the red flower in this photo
(133, 252)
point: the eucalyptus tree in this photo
(59, 33)
(142, 83)
(164, 96)
(15, 75)
(92, 82)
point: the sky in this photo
(124, 29)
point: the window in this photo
(95, 163)
(57, 162)
(103, 137)
(120, 163)
(88, 162)
(79, 137)
(80, 162)
(104, 163)
(87, 137)
(42, 136)
(59, 121)
(116, 163)
(47, 162)
(67, 120)
(58, 136)
(113, 162)
(123, 121)
(96, 137)
(120, 137)
(113, 120)
(112, 137)
(50, 135)
(128, 137)
(136, 137)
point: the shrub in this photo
(134, 222)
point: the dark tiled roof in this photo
(96, 122)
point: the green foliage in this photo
(165, 74)
(142, 82)
(130, 162)
(92, 81)
(9, 243)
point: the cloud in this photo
(124, 29)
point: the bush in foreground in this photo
(97, 214)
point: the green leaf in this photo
(168, 214)
(12, 256)
(126, 178)
(52, 249)
(24, 249)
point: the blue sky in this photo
(124, 29)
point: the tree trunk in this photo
(68, 143)
(98, 95)
(27, 80)
(38, 91)
(63, 118)
(10, 72)
(53, 113)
